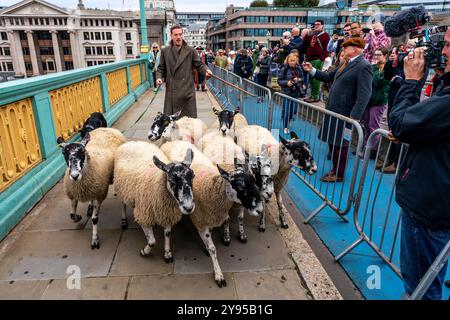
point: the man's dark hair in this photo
(175, 27)
(320, 21)
(357, 22)
(348, 24)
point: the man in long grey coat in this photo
(349, 95)
(176, 69)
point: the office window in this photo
(107, 23)
(97, 36)
(67, 51)
(112, 23)
(128, 36)
(103, 35)
(46, 51)
(51, 66)
(6, 51)
(108, 35)
(28, 66)
(96, 22)
(4, 36)
(86, 35)
(130, 50)
(110, 51)
(102, 23)
(89, 63)
(69, 65)
(26, 51)
(99, 50)
(88, 51)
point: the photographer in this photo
(295, 42)
(423, 183)
(375, 40)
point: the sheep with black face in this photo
(90, 166)
(228, 122)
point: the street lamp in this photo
(268, 39)
(253, 41)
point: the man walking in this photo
(316, 43)
(199, 79)
(176, 69)
(349, 96)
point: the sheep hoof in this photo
(226, 242)
(168, 259)
(262, 229)
(124, 224)
(75, 217)
(90, 210)
(221, 283)
(143, 254)
(243, 238)
(95, 244)
(284, 225)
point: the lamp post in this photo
(253, 42)
(268, 39)
(144, 51)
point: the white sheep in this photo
(170, 128)
(215, 191)
(158, 191)
(90, 172)
(228, 122)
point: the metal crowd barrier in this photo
(256, 108)
(321, 128)
(366, 215)
(235, 97)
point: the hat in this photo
(232, 52)
(199, 48)
(355, 42)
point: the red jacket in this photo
(316, 46)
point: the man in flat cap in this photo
(351, 88)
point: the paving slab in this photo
(90, 289)
(22, 290)
(269, 285)
(181, 287)
(263, 251)
(111, 216)
(47, 255)
(128, 260)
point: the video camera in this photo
(410, 22)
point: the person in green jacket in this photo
(221, 60)
(378, 101)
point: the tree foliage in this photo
(259, 3)
(296, 3)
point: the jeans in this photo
(290, 108)
(315, 84)
(419, 247)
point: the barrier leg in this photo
(347, 251)
(315, 213)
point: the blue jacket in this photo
(423, 182)
(296, 43)
(286, 74)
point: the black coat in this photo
(243, 67)
(264, 65)
(423, 182)
(349, 95)
(286, 74)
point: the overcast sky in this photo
(180, 5)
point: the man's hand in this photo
(208, 74)
(415, 65)
(392, 138)
(307, 66)
(289, 83)
(159, 82)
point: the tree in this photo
(296, 3)
(259, 3)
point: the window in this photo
(6, 51)
(64, 35)
(285, 19)
(51, 66)
(69, 65)
(46, 51)
(112, 23)
(96, 22)
(67, 51)
(86, 35)
(102, 23)
(89, 63)
(22, 35)
(110, 51)
(42, 35)
(128, 36)
(99, 50)
(97, 36)
(100, 62)
(28, 66)
(88, 51)
(26, 51)
(4, 36)
(129, 50)
(108, 35)
(103, 36)
(252, 19)
(107, 23)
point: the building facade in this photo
(37, 37)
(248, 27)
(195, 35)
(186, 19)
(161, 16)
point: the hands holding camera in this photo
(307, 66)
(414, 65)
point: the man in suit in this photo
(176, 69)
(349, 96)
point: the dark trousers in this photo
(419, 247)
(201, 81)
(339, 159)
(290, 108)
(154, 78)
(261, 79)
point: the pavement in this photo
(47, 256)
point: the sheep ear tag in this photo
(294, 135)
(60, 142)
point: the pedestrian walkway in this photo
(43, 254)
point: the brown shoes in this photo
(311, 100)
(331, 178)
(390, 169)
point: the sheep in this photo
(283, 156)
(90, 166)
(159, 192)
(215, 190)
(96, 120)
(168, 128)
(228, 122)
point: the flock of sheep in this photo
(185, 169)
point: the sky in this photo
(180, 5)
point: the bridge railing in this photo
(34, 112)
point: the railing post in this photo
(42, 109)
(129, 84)
(104, 90)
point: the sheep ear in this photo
(223, 173)
(189, 157)
(161, 165)
(216, 111)
(237, 110)
(284, 142)
(60, 142)
(175, 116)
(86, 139)
(294, 135)
(238, 164)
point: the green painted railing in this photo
(48, 106)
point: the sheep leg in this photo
(90, 209)
(242, 235)
(262, 222)
(73, 215)
(124, 220)
(168, 258)
(226, 232)
(150, 241)
(282, 210)
(95, 244)
(207, 240)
